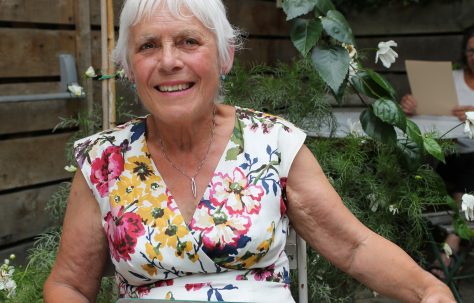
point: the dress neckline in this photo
(204, 197)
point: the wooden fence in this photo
(34, 33)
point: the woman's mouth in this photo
(174, 88)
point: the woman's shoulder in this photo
(130, 128)
(256, 119)
(121, 136)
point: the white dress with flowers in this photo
(233, 248)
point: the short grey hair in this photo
(211, 13)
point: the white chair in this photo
(296, 251)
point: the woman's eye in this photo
(147, 46)
(190, 42)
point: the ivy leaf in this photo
(390, 112)
(382, 83)
(332, 64)
(305, 33)
(372, 85)
(432, 147)
(411, 154)
(413, 132)
(296, 8)
(376, 128)
(324, 6)
(336, 26)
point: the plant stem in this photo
(358, 94)
(451, 129)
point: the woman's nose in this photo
(170, 60)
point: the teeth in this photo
(174, 88)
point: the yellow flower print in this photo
(149, 199)
(140, 166)
(153, 184)
(153, 252)
(127, 192)
(183, 248)
(155, 216)
(169, 296)
(150, 269)
(170, 233)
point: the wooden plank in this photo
(37, 11)
(437, 48)
(267, 51)
(95, 11)
(20, 251)
(33, 160)
(33, 52)
(258, 17)
(396, 18)
(40, 115)
(29, 88)
(23, 214)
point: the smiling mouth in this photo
(173, 88)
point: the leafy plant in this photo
(327, 38)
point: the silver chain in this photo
(201, 163)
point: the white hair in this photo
(211, 13)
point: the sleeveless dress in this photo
(233, 248)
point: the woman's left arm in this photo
(319, 216)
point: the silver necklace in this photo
(201, 163)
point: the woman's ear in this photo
(228, 65)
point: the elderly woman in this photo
(193, 201)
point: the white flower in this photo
(350, 49)
(90, 72)
(447, 249)
(469, 126)
(467, 206)
(7, 284)
(386, 54)
(120, 73)
(70, 168)
(76, 89)
(393, 209)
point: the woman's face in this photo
(470, 54)
(175, 65)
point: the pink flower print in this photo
(264, 274)
(236, 192)
(195, 286)
(162, 283)
(283, 196)
(106, 169)
(122, 231)
(220, 229)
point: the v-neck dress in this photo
(233, 248)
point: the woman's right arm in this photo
(82, 254)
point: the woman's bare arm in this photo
(322, 219)
(82, 254)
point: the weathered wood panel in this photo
(38, 11)
(437, 48)
(266, 51)
(28, 88)
(33, 52)
(438, 17)
(257, 17)
(32, 161)
(39, 115)
(23, 214)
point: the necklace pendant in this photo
(193, 187)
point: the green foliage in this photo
(336, 61)
(294, 91)
(379, 192)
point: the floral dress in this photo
(233, 248)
